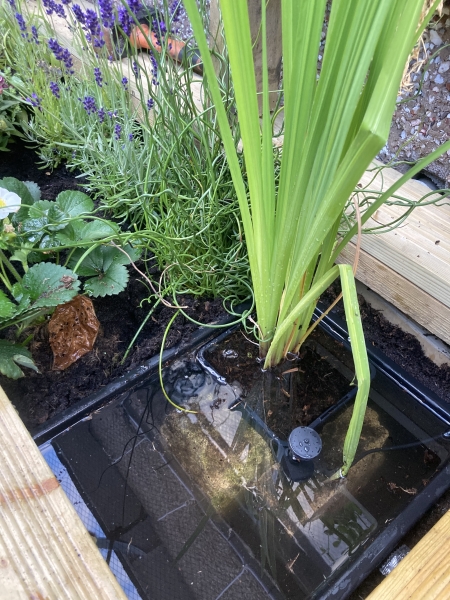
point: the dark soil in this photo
(295, 393)
(39, 396)
(403, 348)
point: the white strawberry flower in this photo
(9, 202)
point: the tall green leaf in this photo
(334, 124)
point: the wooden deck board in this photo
(45, 550)
(404, 295)
(419, 249)
(424, 574)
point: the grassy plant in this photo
(334, 126)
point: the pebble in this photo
(444, 67)
(435, 38)
(439, 79)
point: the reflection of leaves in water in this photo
(345, 526)
(265, 523)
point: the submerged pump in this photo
(303, 445)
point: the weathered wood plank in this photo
(424, 574)
(419, 249)
(407, 297)
(45, 550)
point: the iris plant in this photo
(334, 126)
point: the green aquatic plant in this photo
(335, 122)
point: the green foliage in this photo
(12, 114)
(12, 357)
(45, 285)
(105, 269)
(40, 231)
(164, 172)
(44, 226)
(334, 125)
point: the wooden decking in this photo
(424, 574)
(410, 265)
(45, 550)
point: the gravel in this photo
(421, 121)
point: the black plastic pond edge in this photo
(125, 382)
(339, 585)
(335, 325)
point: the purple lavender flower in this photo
(53, 7)
(135, 68)
(130, 137)
(159, 29)
(154, 69)
(101, 114)
(134, 5)
(117, 131)
(49, 6)
(98, 76)
(59, 10)
(34, 33)
(174, 11)
(93, 27)
(3, 84)
(35, 100)
(150, 103)
(61, 54)
(21, 22)
(125, 83)
(79, 14)
(89, 105)
(66, 2)
(107, 12)
(54, 88)
(12, 4)
(124, 19)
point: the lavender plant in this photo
(152, 158)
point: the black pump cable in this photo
(445, 435)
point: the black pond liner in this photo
(357, 540)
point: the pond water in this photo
(196, 504)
